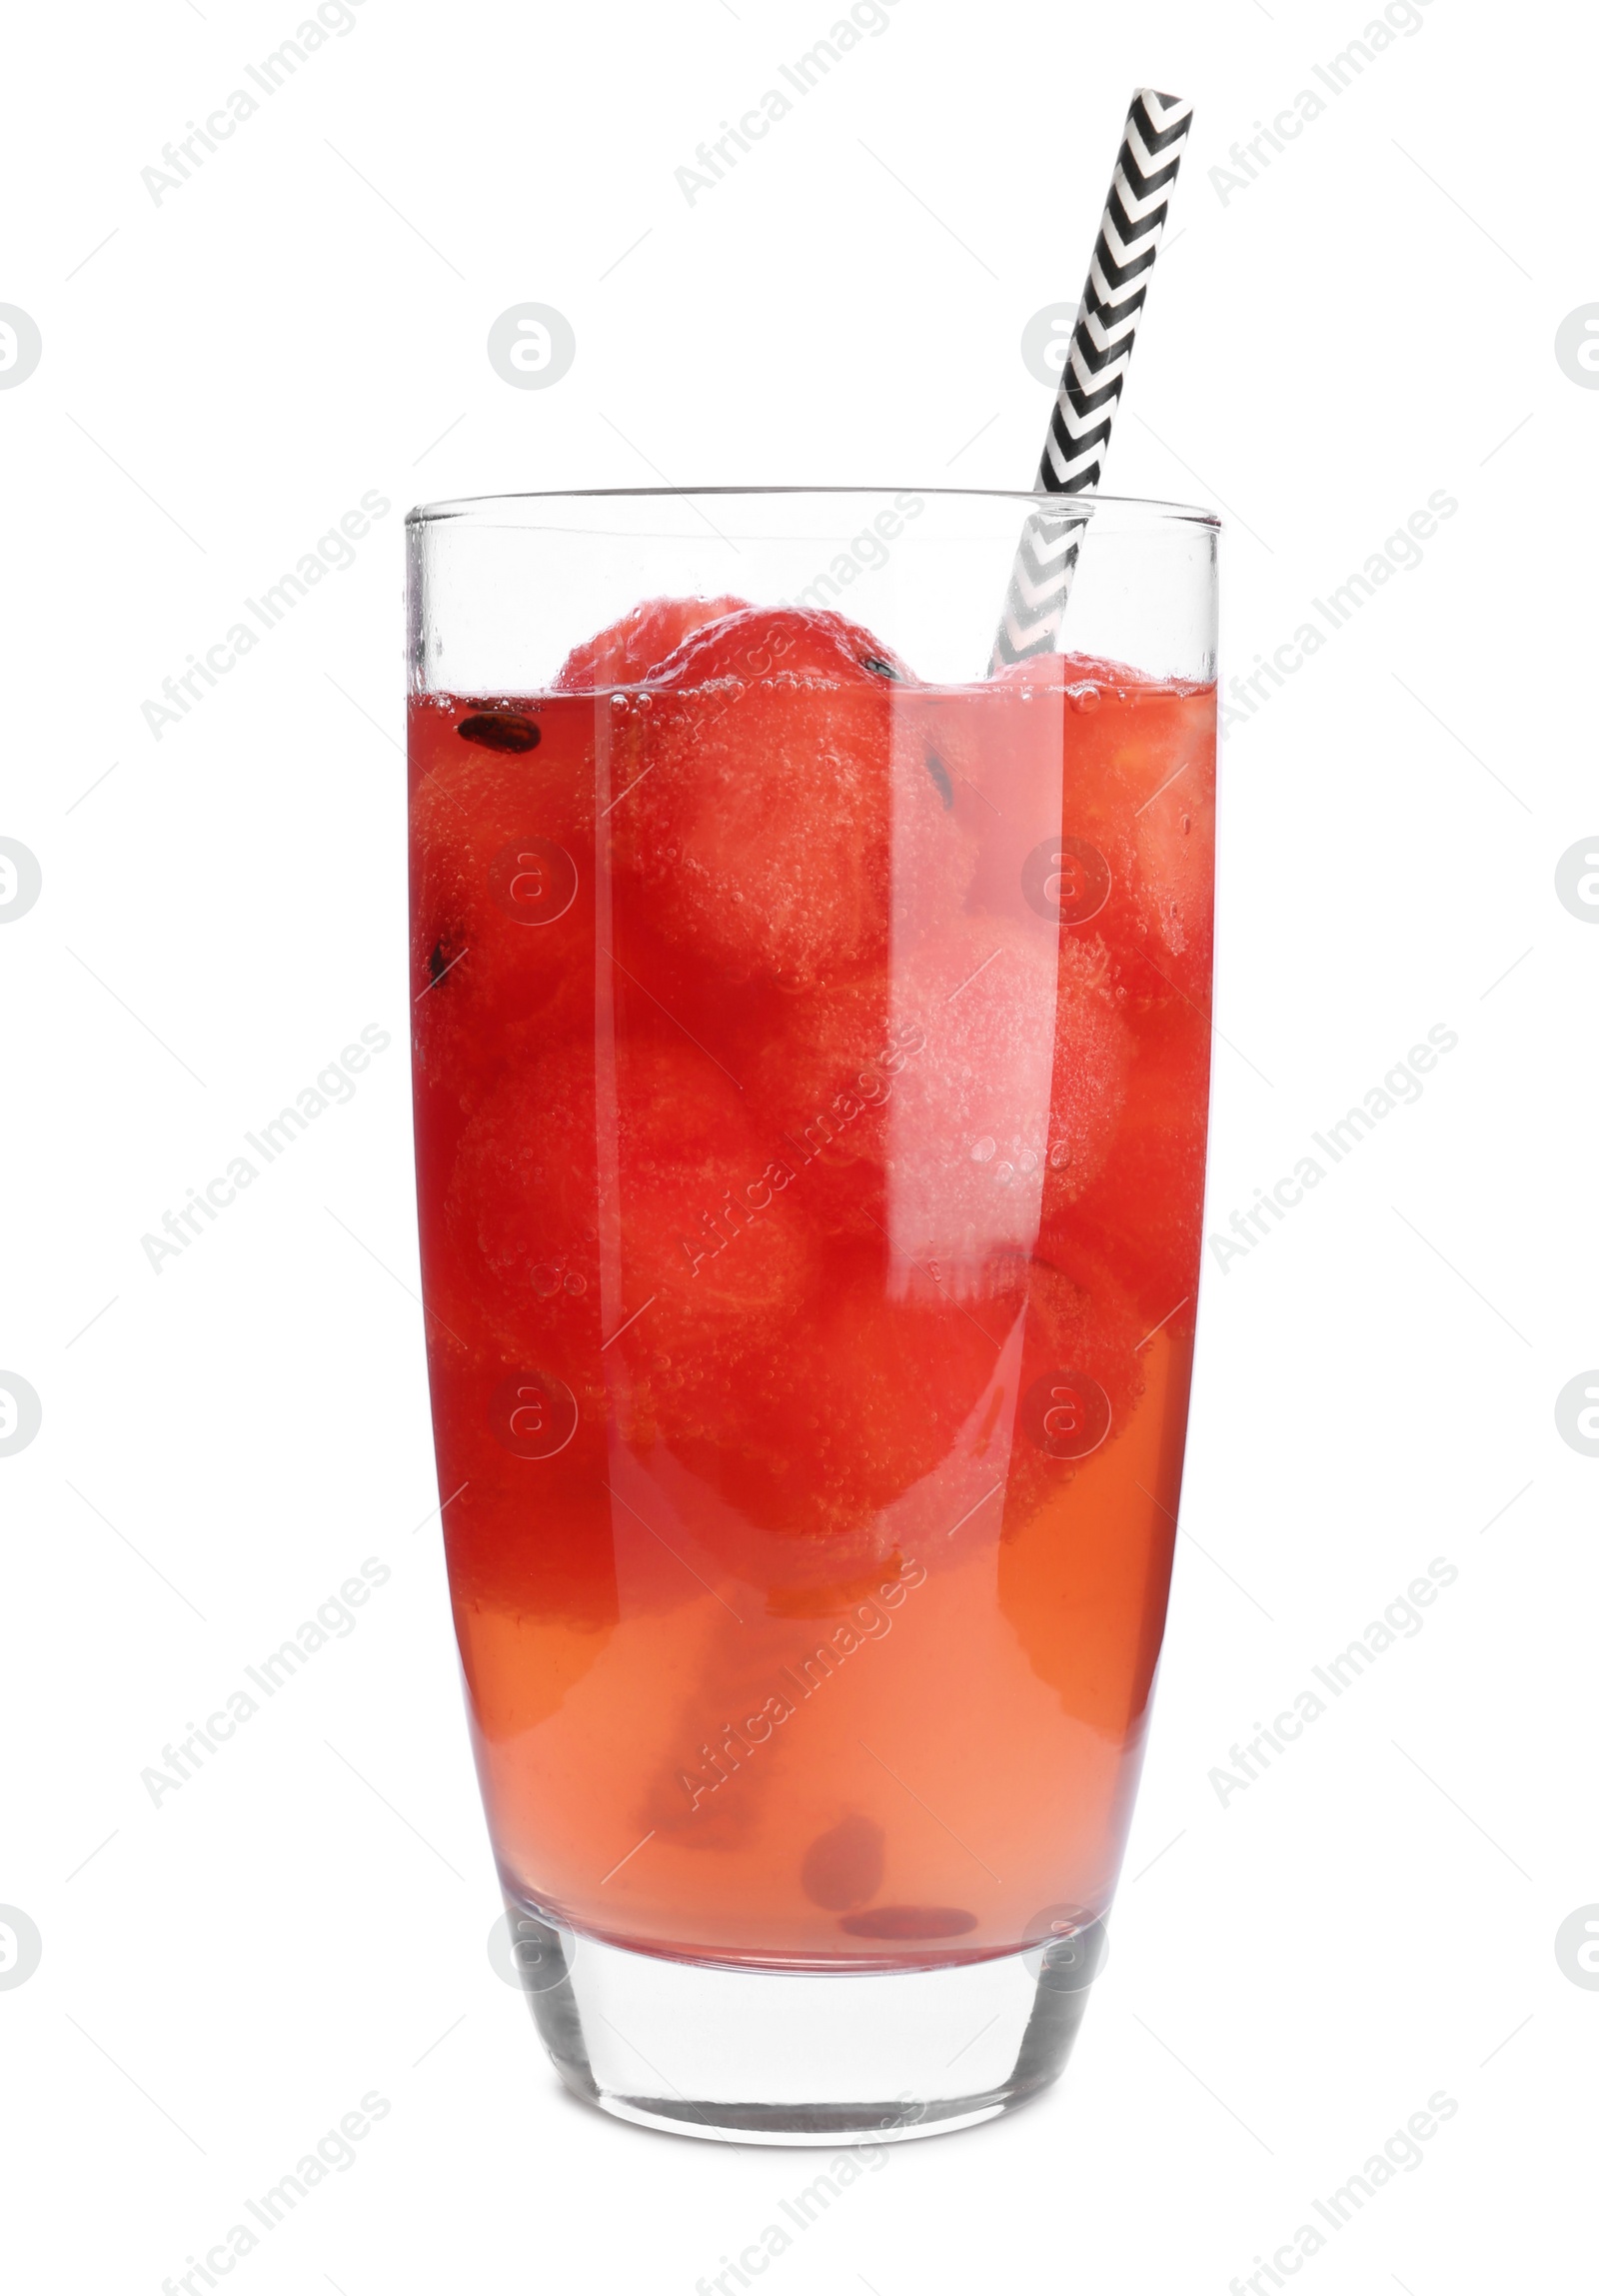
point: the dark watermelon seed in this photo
(443, 956)
(500, 729)
(878, 668)
(941, 782)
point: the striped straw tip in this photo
(1096, 368)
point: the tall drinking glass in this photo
(811, 1049)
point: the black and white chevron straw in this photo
(1094, 370)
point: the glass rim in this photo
(1151, 509)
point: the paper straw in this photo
(1096, 368)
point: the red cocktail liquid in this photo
(811, 1088)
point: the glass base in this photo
(770, 2056)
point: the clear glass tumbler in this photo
(812, 1050)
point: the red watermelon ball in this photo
(775, 813)
(1016, 1065)
(819, 1085)
(633, 649)
(1138, 757)
(1144, 1210)
(1080, 1376)
(501, 882)
(646, 1167)
(853, 1401)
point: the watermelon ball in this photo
(819, 1085)
(1080, 1381)
(632, 650)
(1170, 770)
(842, 1868)
(934, 849)
(1146, 759)
(787, 643)
(1144, 1210)
(529, 1535)
(1016, 1066)
(1138, 764)
(1056, 848)
(646, 1166)
(775, 815)
(502, 870)
(1076, 763)
(812, 1432)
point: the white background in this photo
(1371, 319)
